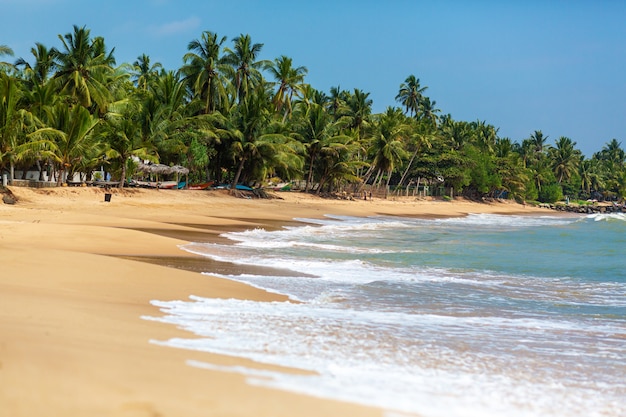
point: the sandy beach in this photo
(73, 291)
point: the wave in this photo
(392, 359)
(385, 319)
(607, 217)
(507, 221)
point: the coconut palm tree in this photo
(456, 133)
(564, 158)
(421, 136)
(143, 72)
(410, 95)
(356, 111)
(72, 130)
(510, 167)
(83, 66)
(484, 135)
(14, 121)
(429, 111)
(538, 141)
(5, 50)
(336, 100)
(203, 69)
(337, 162)
(387, 143)
(248, 122)
(44, 66)
(591, 176)
(613, 152)
(290, 81)
(245, 66)
(318, 132)
(612, 158)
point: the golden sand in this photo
(72, 340)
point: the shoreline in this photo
(75, 284)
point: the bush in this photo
(550, 193)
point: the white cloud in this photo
(177, 26)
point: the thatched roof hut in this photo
(162, 169)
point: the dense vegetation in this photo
(231, 117)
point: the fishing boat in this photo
(202, 186)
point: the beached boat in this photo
(154, 184)
(237, 187)
(202, 186)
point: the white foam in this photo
(427, 364)
(506, 221)
(607, 216)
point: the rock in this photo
(7, 199)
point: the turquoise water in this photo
(485, 315)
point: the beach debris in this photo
(8, 199)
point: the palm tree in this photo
(356, 111)
(387, 148)
(72, 130)
(456, 133)
(410, 95)
(336, 99)
(44, 64)
(613, 152)
(421, 136)
(289, 81)
(590, 175)
(143, 73)
(510, 167)
(5, 50)
(121, 130)
(525, 151)
(83, 67)
(14, 121)
(257, 141)
(429, 111)
(337, 162)
(246, 67)
(564, 159)
(484, 135)
(318, 132)
(203, 69)
(538, 141)
(612, 158)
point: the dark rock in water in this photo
(7, 199)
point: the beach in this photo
(74, 295)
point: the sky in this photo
(555, 66)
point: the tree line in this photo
(231, 117)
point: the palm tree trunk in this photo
(376, 178)
(40, 167)
(233, 186)
(368, 174)
(388, 180)
(121, 184)
(406, 171)
(310, 176)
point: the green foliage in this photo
(531, 192)
(228, 114)
(550, 193)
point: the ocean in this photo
(485, 315)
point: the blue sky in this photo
(554, 66)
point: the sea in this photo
(484, 315)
